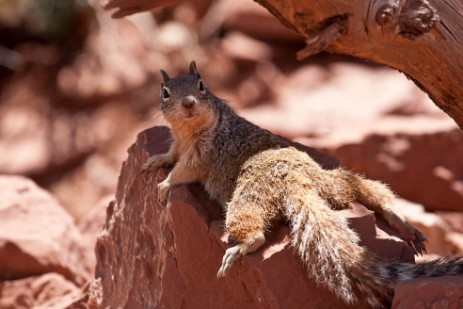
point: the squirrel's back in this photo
(236, 140)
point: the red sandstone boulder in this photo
(90, 296)
(439, 292)
(36, 235)
(48, 291)
(454, 220)
(426, 168)
(167, 256)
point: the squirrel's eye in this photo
(201, 87)
(165, 93)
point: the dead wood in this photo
(422, 39)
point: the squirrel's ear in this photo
(193, 70)
(165, 77)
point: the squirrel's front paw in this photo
(152, 162)
(163, 192)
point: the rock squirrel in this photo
(260, 179)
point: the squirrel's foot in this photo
(163, 192)
(227, 261)
(250, 245)
(412, 236)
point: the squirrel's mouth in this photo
(189, 107)
(188, 113)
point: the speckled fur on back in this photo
(259, 179)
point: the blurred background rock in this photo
(76, 86)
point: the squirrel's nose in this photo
(188, 102)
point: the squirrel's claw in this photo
(147, 166)
(163, 192)
(418, 243)
(155, 161)
(412, 236)
(144, 169)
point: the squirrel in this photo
(259, 179)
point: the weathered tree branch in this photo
(418, 37)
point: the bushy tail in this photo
(333, 257)
(396, 272)
(330, 250)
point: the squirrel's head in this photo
(185, 98)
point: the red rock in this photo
(453, 219)
(440, 292)
(151, 255)
(90, 297)
(36, 235)
(456, 240)
(90, 226)
(239, 46)
(339, 103)
(410, 163)
(254, 20)
(48, 291)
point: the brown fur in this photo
(259, 179)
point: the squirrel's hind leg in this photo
(342, 187)
(248, 246)
(246, 222)
(379, 198)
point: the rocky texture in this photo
(90, 297)
(45, 259)
(441, 292)
(36, 235)
(415, 165)
(167, 256)
(48, 291)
